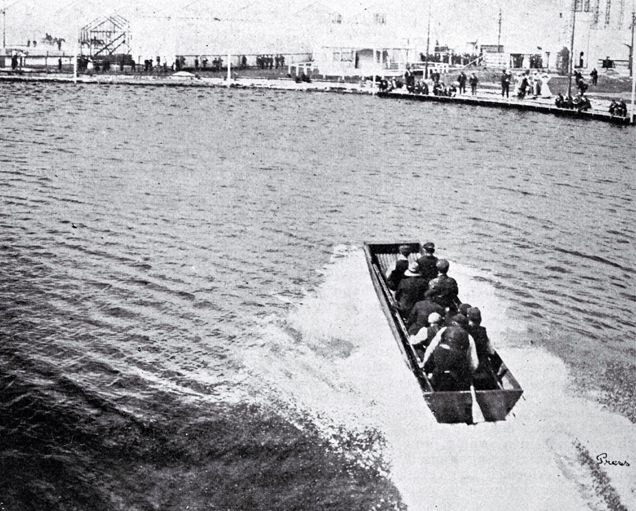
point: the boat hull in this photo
(447, 407)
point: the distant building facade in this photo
(602, 33)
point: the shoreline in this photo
(193, 81)
(488, 95)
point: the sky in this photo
(453, 22)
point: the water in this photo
(188, 322)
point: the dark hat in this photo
(474, 314)
(443, 265)
(429, 247)
(404, 249)
(413, 271)
(460, 320)
(463, 308)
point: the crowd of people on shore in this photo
(579, 102)
(524, 85)
(618, 108)
(161, 65)
(268, 61)
(453, 347)
(438, 87)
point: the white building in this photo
(602, 29)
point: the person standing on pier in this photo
(473, 83)
(594, 76)
(409, 78)
(505, 84)
(461, 79)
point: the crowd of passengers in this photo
(447, 335)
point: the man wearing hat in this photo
(423, 338)
(395, 273)
(443, 290)
(410, 290)
(428, 262)
(484, 376)
(419, 316)
(451, 357)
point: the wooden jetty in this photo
(528, 104)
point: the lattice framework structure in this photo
(107, 35)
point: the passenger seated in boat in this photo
(463, 309)
(438, 89)
(428, 261)
(423, 338)
(452, 91)
(451, 357)
(558, 101)
(484, 377)
(443, 290)
(410, 290)
(420, 314)
(383, 85)
(395, 273)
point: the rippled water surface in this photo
(187, 319)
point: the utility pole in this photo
(428, 41)
(631, 48)
(4, 25)
(571, 66)
(499, 35)
(631, 63)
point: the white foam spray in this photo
(335, 360)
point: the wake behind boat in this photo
(493, 402)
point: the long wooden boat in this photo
(447, 407)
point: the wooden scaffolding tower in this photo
(107, 35)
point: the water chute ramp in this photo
(469, 406)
